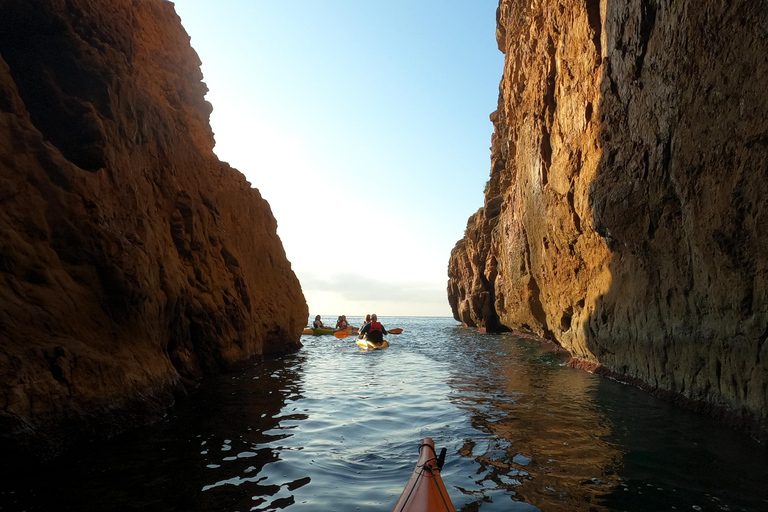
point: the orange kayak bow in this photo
(425, 491)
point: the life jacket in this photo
(375, 326)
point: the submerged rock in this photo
(132, 261)
(626, 206)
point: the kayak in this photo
(319, 332)
(425, 490)
(369, 345)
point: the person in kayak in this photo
(374, 330)
(342, 323)
(365, 322)
(318, 324)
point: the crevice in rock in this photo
(565, 319)
(182, 225)
(571, 203)
(546, 154)
(595, 23)
(647, 23)
(537, 309)
(760, 344)
(233, 266)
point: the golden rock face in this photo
(627, 196)
(131, 259)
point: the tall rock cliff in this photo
(628, 200)
(131, 259)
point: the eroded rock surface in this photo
(131, 258)
(626, 210)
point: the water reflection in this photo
(685, 461)
(561, 439)
(337, 428)
(206, 455)
(548, 438)
(249, 430)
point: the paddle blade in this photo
(396, 330)
(307, 331)
(341, 334)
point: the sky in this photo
(365, 125)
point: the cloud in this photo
(356, 287)
(355, 294)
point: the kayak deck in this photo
(369, 345)
(425, 491)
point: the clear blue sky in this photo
(365, 125)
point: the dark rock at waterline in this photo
(131, 259)
(626, 209)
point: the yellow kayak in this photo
(425, 491)
(369, 345)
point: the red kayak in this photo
(425, 491)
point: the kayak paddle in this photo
(344, 334)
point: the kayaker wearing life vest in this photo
(318, 324)
(341, 323)
(374, 330)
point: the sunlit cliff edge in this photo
(132, 261)
(626, 210)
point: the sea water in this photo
(336, 428)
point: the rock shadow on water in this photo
(708, 470)
(207, 454)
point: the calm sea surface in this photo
(334, 428)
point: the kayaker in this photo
(374, 330)
(365, 322)
(318, 324)
(341, 323)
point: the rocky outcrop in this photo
(131, 259)
(625, 210)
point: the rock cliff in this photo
(132, 261)
(626, 207)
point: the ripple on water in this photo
(336, 428)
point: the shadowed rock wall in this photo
(131, 258)
(626, 208)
